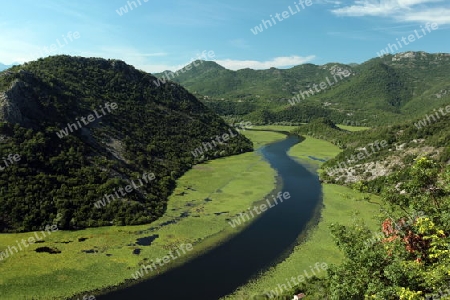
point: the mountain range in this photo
(390, 88)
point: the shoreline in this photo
(315, 243)
(202, 246)
(199, 249)
(102, 257)
(222, 237)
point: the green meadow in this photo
(197, 213)
(260, 138)
(95, 258)
(340, 205)
(313, 152)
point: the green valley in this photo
(225, 150)
(154, 169)
(97, 258)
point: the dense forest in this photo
(58, 180)
(388, 89)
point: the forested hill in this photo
(387, 89)
(74, 129)
(404, 142)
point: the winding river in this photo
(230, 265)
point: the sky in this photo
(166, 35)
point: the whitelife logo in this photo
(284, 15)
(161, 262)
(68, 38)
(411, 38)
(399, 225)
(323, 86)
(31, 240)
(194, 62)
(147, 177)
(342, 166)
(296, 281)
(90, 118)
(225, 137)
(87, 297)
(424, 123)
(263, 207)
(11, 158)
(124, 9)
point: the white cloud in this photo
(440, 16)
(278, 62)
(367, 8)
(399, 10)
(283, 61)
(154, 62)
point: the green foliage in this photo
(412, 259)
(435, 135)
(323, 128)
(387, 89)
(58, 181)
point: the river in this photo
(220, 271)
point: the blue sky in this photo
(162, 35)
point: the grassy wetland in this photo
(95, 258)
(204, 199)
(340, 205)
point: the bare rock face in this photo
(9, 109)
(337, 70)
(420, 55)
(18, 106)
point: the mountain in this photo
(212, 80)
(4, 67)
(76, 131)
(380, 90)
(383, 150)
(219, 79)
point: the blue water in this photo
(230, 265)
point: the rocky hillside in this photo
(369, 156)
(76, 131)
